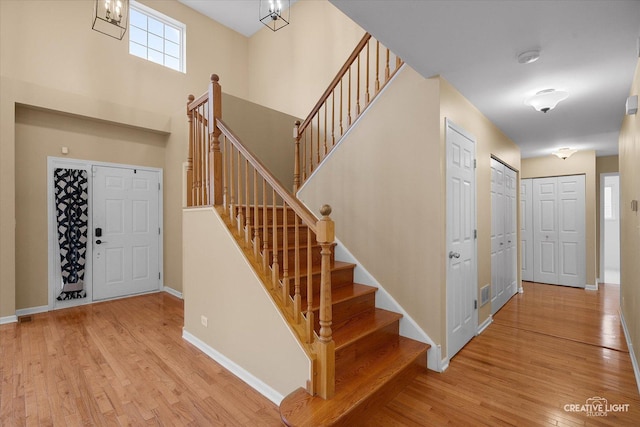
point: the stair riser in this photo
(366, 344)
(344, 310)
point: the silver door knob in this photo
(454, 255)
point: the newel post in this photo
(215, 155)
(296, 160)
(190, 187)
(325, 345)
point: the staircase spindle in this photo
(297, 301)
(366, 98)
(265, 229)
(341, 102)
(310, 319)
(358, 88)
(239, 210)
(296, 164)
(189, 189)
(247, 206)
(275, 266)
(377, 66)
(333, 118)
(285, 256)
(256, 218)
(232, 185)
(349, 100)
(324, 131)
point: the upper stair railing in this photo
(368, 69)
(270, 223)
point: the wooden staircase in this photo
(372, 363)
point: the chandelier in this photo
(110, 17)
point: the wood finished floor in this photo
(124, 363)
(546, 348)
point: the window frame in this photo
(165, 20)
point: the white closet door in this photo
(497, 234)
(526, 230)
(545, 230)
(571, 230)
(511, 232)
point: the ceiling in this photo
(588, 48)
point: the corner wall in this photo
(581, 163)
(629, 152)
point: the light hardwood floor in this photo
(124, 363)
(546, 348)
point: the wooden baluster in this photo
(256, 218)
(190, 183)
(333, 118)
(325, 345)
(358, 88)
(275, 266)
(215, 157)
(239, 210)
(386, 67)
(196, 157)
(310, 319)
(377, 66)
(341, 102)
(349, 100)
(232, 203)
(207, 147)
(297, 300)
(201, 153)
(265, 229)
(325, 130)
(303, 155)
(398, 62)
(285, 256)
(296, 157)
(366, 98)
(318, 150)
(247, 206)
(310, 127)
(225, 175)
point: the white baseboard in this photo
(172, 291)
(8, 319)
(444, 364)
(484, 325)
(234, 368)
(634, 361)
(408, 327)
(521, 290)
(589, 287)
(32, 310)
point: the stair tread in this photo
(355, 382)
(342, 293)
(363, 324)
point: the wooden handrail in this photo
(336, 80)
(307, 217)
(198, 101)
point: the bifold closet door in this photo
(559, 230)
(526, 228)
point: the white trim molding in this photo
(234, 368)
(589, 287)
(172, 291)
(8, 319)
(484, 325)
(32, 310)
(634, 361)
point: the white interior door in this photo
(504, 234)
(571, 230)
(526, 231)
(462, 287)
(126, 234)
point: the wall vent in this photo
(484, 295)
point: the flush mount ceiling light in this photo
(275, 14)
(529, 56)
(546, 100)
(564, 153)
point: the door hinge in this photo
(475, 163)
(158, 231)
(158, 186)
(475, 234)
(475, 304)
(158, 275)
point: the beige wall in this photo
(608, 164)
(581, 163)
(490, 142)
(243, 322)
(290, 69)
(40, 134)
(629, 152)
(386, 215)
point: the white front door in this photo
(462, 288)
(126, 231)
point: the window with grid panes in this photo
(156, 37)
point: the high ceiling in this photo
(588, 48)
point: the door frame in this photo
(601, 237)
(52, 238)
(451, 126)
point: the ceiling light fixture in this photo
(529, 56)
(546, 100)
(111, 17)
(273, 14)
(564, 153)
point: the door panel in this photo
(526, 228)
(126, 255)
(461, 269)
(545, 232)
(571, 231)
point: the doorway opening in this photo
(610, 228)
